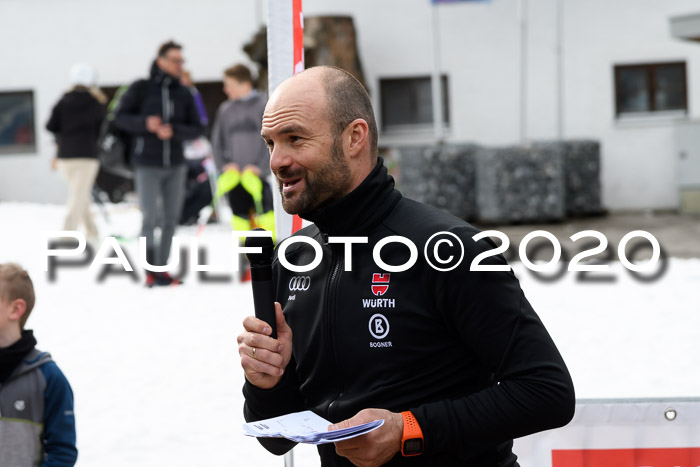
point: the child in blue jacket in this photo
(37, 425)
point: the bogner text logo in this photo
(379, 329)
(380, 283)
(299, 283)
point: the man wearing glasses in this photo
(159, 115)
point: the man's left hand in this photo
(165, 132)
(376, 447)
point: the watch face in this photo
(413, 446)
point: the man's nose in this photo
(279, 158)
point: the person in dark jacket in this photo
(453, 359)
(160, 115)
(75, 121)
(37, 424)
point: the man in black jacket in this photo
(454, 359)
(160, 115)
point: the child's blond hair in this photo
(15, 283)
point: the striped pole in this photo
(285, 45)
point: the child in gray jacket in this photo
(37, 425)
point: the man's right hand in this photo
(153, 123)
(263, 358)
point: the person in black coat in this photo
(75, 121)
(160, 115)
(452, 357)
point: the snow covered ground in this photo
(156, 374)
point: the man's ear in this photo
(355, 137)
(17, 308)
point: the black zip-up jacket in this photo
(464, 351)
(75, 120)
(165, 97)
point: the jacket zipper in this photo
(330, 311)
(165, 97)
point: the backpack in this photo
(112, 143)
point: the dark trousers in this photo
(161, 192)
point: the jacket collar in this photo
(253, 94)
(362, 209)
(11, 357)
(162, 78)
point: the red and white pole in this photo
(298, 22)
(285, 57)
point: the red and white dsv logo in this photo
(380, 283)
(657, 457)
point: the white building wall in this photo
(480, 53)
(639, 158)
(41, 39)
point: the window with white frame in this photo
(407, 103)
(650, 88)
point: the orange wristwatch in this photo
(412, 439)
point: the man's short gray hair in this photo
(348, 100)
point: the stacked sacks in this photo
(582, 172)
(441, 176)
(520, 184)
(542, 182)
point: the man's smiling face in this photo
(305, 155)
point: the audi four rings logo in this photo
(299, 283)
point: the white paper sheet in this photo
(305, 427)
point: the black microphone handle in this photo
(264, 303)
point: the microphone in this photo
(261, 280)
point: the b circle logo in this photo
(378, 326)
(299, 283)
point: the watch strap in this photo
(413, 433)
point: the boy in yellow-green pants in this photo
(250, 198)
(251, 202)
(240, 154)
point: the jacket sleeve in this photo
(263, 155)
(192, 128)
(100, 115)
(268, 403)
(58, 436)
(201, 110)
(531, 389)
(218, 140)
(127, 116)
(54, 123)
